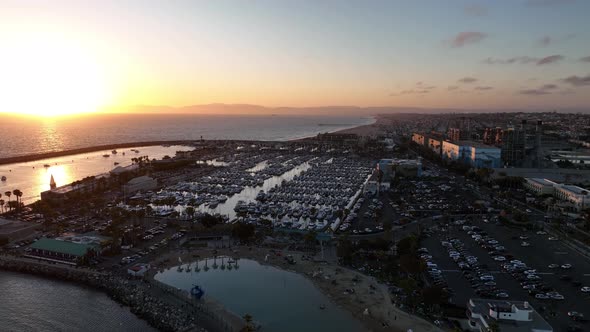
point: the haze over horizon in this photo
(68, 57)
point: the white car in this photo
(585, 289)
(553, 266)
(552, 238)
(525, 244)
(558, 297)
(541, 297)
(499, 258)
(566, 266)
(541, 232)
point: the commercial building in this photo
(11, 230)
(143, 183)
(391, 168)
(435, 145)
(507, 316)
(472, 153)
(539, 186)
(61, 251)
(513, 146)
(372, 184)
(577, 196)
(87, 185)
(419, 139)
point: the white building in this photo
(143, 183)
(539, 186)
(419, 139)
(578, 196)
(507, 315)
(435, 145)
(471, 153)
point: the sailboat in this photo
(52, 184)
(188, 268)
(206, 268)
(197, 269)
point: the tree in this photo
(243, 231)
(345, 249)
(209, 220)
(1, 205)
(310, 237)
(18, 195)
(411, 264)
(190, 211)
(249, 325)
(8, 194)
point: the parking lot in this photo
(507, 277)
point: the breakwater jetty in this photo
(163, 307)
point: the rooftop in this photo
(482, 307)
(63, 247)
(541, 181)
(574, 189)
(476, 144)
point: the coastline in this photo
(69, 152)
(331, 280)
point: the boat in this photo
(116, 163)
(46, 165)
(114, 152)
(106, 155)
(3, 178)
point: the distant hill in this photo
(237, 109)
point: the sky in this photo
(75, 55)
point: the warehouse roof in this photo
(64, 247)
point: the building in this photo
(11, 230)
(517, 316)
(539, 186)
(454, 134)
(390, 168)
(142, 183)
(87, 185)
(435, 145)
(61, 251)
(577, 196)
(419, 139)
(513, 146)
(472, 153)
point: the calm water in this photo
(32, 178)
(279, 300)
(22, 136)
(30, 303)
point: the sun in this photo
(49, 76)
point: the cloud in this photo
(483, 88)
(525, 60)
(576, 80)
(545, 89)
(452, 87)
(476, 10)
(547, 2)
(550, 59)
(545, 41)
(585, 59)
(467, 80)
(467, 38)
(509, 61)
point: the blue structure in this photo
(197, 292)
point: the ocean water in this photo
(23, 136)
(30, 303)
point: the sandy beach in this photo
(370, 302)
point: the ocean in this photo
(23, 136)
(30, 303)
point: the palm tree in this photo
(18, 195)
(1, 205)
(8, 194)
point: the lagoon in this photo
(278, 300)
